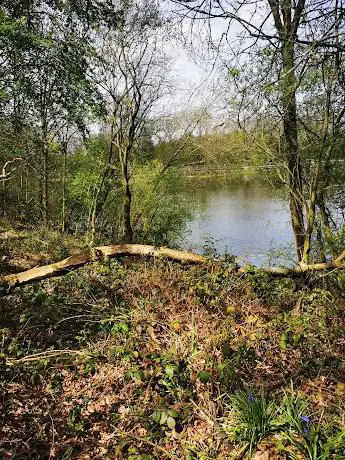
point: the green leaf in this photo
(134, 374)
(234, 72)
(204, 376)
(163, 418)
(156, 416)
(283, 342)
(171, 423)
(170, 370)
(124, 327)
(139, 374)
(173, 413)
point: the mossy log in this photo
(105, 252)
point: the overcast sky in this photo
(192, 74)
(196, 73)
(197, 80)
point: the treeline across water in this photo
(85, 194)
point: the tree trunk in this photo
(4, 199)
(45, 183)
(63, 210)
(127, 204)
(127, 224)
(291, 148)
(93, 219)
(320, 242)
(326, 224)
(99, 253)
(310, 228)
(104, 252)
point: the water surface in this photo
(250, 220)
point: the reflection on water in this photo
(248, 220)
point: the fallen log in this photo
(12, 235)
(334, 264)
(99, 253)
(105, 252)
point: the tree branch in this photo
(6, 175)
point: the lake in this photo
(249, 219)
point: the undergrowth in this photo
(147, 359)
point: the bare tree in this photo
(132, 74)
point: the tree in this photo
(131, 72)
(6, 173)
(45, 55)
(288, 33)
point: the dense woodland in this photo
(130, 356)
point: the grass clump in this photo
(308, 435)
(289, 424)
(254, 419)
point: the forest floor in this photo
(148, 359)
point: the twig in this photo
(73, 317)
(43, 355)
(51, 454)
(147, 441)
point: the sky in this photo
(194, 68)
(193, 76)
(197, 77)
(191, 79)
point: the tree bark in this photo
(64, 170)
(45, 182)
(127, 204)
(287, 20)
(128, 230)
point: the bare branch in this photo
(7, 175)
